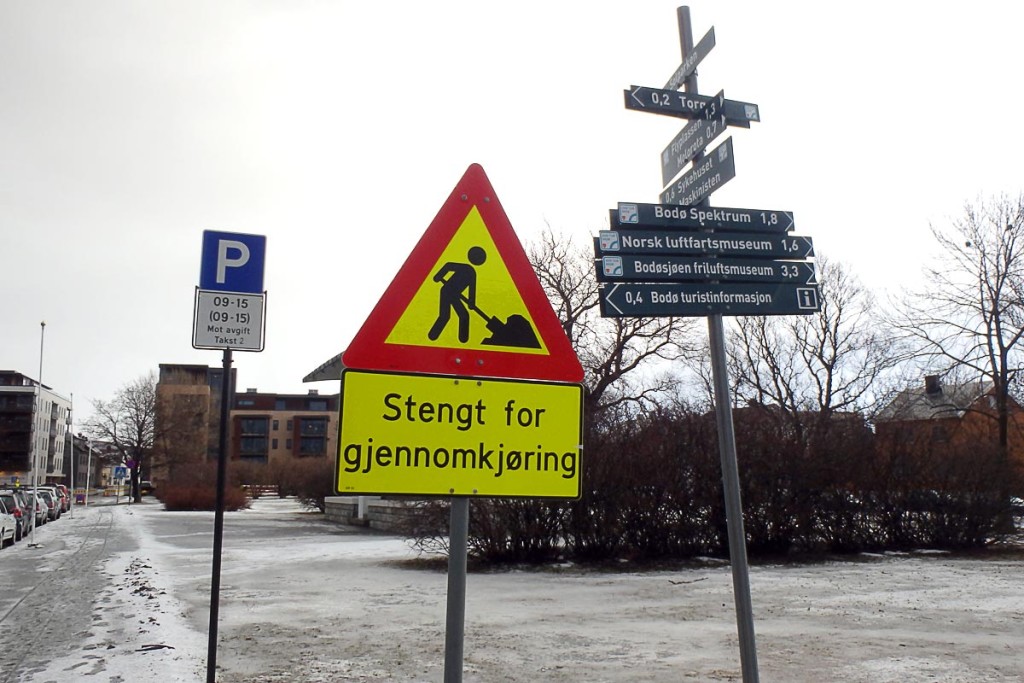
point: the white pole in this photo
(74, 460)
(88, 470)
(35, 434)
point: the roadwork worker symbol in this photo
(458, 295)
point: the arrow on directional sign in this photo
(696, 56)
(675, 243)
(706, 176)
(645, 268)
(687, 106)
(636, 215)
(647, 300)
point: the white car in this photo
(8, 526)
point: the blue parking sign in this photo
(232, 262)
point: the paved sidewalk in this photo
(82, 605)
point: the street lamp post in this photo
(35, 434)
(74, 458)
(88, 470)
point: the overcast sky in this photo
(338, 128)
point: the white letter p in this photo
(223, 262)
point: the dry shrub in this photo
(196, 489)
(652, 491)
(311, 480)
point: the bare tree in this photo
(611, 350)
(127, 422)
(820, 364)
(970, 313)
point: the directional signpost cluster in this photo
(682, 257)
(686, 260)
(659, 260)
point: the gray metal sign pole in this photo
(727, 447)
(218, 518)
(455, 622)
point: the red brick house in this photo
(958, 418)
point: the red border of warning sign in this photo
(369, 350)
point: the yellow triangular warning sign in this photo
(466, 302)
(469, 301)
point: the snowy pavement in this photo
(128, 589)
(106, 616)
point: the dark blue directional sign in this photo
(691, 141)
(674, 243)
(706, 176)
(232, 262)
(637, 215)
(648, 300)
(637, 267)
(687, 106)
(695, 57)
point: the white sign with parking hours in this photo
(228, 320)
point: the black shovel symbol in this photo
(515, 331)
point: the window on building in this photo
(279, 404)
(246, 402)
(313, 426)
(253, 446)
(313, 432)
(253, 441)
(318, 404)
(312, 445)
(288, 444)
(254, 425)
(289, 426)
(273, 444)
(276, 424)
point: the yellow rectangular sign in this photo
(443, 436)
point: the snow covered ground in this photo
(304, 600)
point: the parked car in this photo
(12, 502)
(65, 497)
(50, 501)
(146, 487)
(8, 526)
(27, 515)
(55, 495)
(38, 503)
(26, 505)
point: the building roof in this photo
(948, 401)
(13, 378)
(330, 369)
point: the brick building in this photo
(955, 418)
(263, 428)
(187, 417)
(274, 427)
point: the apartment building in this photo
(34, 430)
(270, 428)
(263, 428)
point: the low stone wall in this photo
(381, 515)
